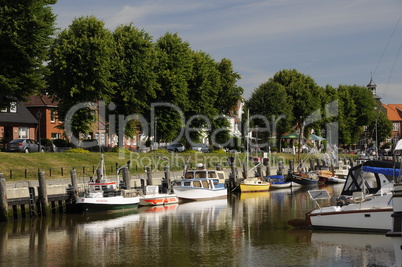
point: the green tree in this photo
(134, 70)
(26, 27)
(81, 68)
(304, 96)
(270, 100)
(202, 93)
(174, 70)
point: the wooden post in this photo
(126, 177)
(245, 170)
(166, 182)
(42, 191)
(3, 199)
(149, 176)
(74, 184)
(267, 167)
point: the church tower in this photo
(373, 88)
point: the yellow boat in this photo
(254, 185)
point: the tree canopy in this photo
(26, 31)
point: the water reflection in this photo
(248, 229)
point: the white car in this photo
(176, 147)
(201, 148)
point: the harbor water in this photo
(243, 230)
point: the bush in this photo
(60, 143)
(76, 150)
(46, 142)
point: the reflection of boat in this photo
(255, 184)
(254, 195)
(365, 203)
(152, 197)
(278, 181)
(373, 249)
(199, 185)
(103, 194)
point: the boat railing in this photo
(316, 195)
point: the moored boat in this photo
(200, 185)
(152, 197)
(255, 184)
(304, 178)
(104, 194)
(278, 181)
(365, 203)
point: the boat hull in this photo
(160, 199)
(359, 220)
(254, 187)
(195, 193)
(280, 185)
(116, 203)
(304, 181)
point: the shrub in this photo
(60, 143)
(77, 150)
(46, 142)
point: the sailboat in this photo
(104, 194)
(365, 203)
(253, 184)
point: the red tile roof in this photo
(394, 112)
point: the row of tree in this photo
(87, 63)
(298, 101)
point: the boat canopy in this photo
(370, 176)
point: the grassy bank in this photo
(25, 166)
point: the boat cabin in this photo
(201, 183)
(200, 174)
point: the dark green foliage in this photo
(26, 27)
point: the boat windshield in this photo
(369, 177)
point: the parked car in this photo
(176, 147)
(201, 148)
(24, 145)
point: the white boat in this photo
(200, 185)
(365, 203)
(104, 194)
(342, 170)
(152, 197)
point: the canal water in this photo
(243, 230)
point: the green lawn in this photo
(21, 166)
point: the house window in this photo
(23, 132)
(13, 107)
(396, 126)
(52, 115)
(56, 136)
(103, 139)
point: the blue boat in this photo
(278, 181)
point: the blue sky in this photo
(334, 42)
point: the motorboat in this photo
(104, 194)
(201, 184)
(328, 177)
(152, 197)
(254, 184)
(365, 203)
(278, 181)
